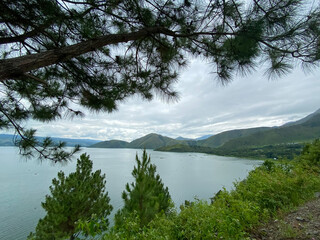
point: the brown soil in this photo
(302, 223)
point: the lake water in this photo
(24, 184)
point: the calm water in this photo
(24, 184)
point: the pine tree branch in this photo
(21, 38)
(15, 67)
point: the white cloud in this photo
(205, 107)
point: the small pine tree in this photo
(311, 153)
(147, 196)
(75, 197)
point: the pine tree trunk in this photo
(14, 67)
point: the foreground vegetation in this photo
(77, 197)
(270, 188)
(274, 187)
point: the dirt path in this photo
(303, 223)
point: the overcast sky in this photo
(205, 107)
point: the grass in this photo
(287, 231)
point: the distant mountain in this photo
(8, 140)
(303, 120)
(261, 141)
(203, 137)
(111, 144)
(183, 139)
(196, 139)
(285, 141)
(150, 141)
(306, 131)
(70, 142)
(221, 138)
(153, 141)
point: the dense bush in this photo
(269, 188)
(280, 187)
(311, 154)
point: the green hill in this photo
(111, 144)
(150, 141)
(278, 142)
(221, 138)
(153, 141)
(184, 148)
(303, 120)
(304, 132)
(213, 142)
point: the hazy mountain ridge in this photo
(303, 120)
(204, 137)
(194, 139)
(183, 138)
(285, 141)
(8, 140)
(303, 130)
(150, 141)
(111, 144)
(154, 141)
(221, 138)
(293, 133)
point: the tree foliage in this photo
(77, 197)
(311, 153)
(265, 194)
(97, 53)
(145, 197)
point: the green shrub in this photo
(311, 154)
(277, 189)
(272, 187)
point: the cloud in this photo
(205, 107)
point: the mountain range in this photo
(293, 133)
(150, 141)
(287, 138)
(251, 142)
(9, 139)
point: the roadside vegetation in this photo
(269, 190)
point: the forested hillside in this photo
(110, 144)
(286, 141)
(150, 141)
(221, 138)
(304, 132)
